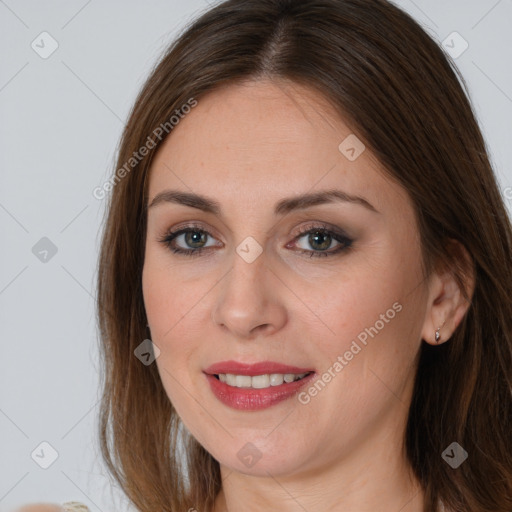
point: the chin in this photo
(257, 456)
(264, 467)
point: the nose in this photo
(249, 302)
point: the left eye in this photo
(195, 238)
(321, 238)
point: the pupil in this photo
(195, 237)
(314, 237)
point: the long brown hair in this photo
(406, 100)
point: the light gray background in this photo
(60, 122)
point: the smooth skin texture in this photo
(40, 507)
(248, 146)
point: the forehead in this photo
(257, 142)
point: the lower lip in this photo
(250, 399)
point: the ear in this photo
(446, 305)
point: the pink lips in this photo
(249, 399)
(261, 368)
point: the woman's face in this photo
(276, 285)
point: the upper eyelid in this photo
(309, 225)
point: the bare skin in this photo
(248, 147)
(40, 507)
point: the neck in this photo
(373, 476)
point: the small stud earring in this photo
(438, 336)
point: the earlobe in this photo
(436, 313)
(447, 304)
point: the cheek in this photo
(377, 322)
(363, 302)
(166, 311)
(177, 309)
(170, 297)
(371, 325)
(179, 334)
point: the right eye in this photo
(193, 240)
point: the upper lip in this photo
(260, 368)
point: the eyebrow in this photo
(283, 207)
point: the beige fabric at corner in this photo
(69, 506)
(75, 506)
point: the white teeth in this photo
(259, 381)
(243, 381)
(276, 379)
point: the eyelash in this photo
(346, 243)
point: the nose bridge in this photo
(245, 289)
(247, 299)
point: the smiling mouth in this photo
(259, 381)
